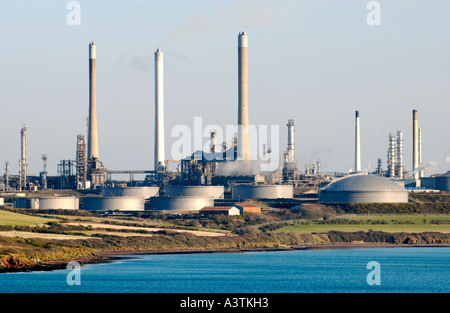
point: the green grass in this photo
(8, 218)
(394, 223)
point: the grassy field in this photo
(385, 223)
(16, 219)
(90, 225)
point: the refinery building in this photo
(196, 183)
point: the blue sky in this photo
(312, 61)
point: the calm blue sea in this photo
(401, 270)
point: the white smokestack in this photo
(92, 133)
(357, 144)
(243, 151)
(159, 110)
(415, 144)
(421, 173)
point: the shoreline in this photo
(111, 256)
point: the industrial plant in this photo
(197, 181)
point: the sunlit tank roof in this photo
(364, 183)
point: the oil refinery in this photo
(199, 180)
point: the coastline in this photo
(111, 256)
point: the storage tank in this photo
(241, 192)
(442, 182)
(363, 189)
(216, 192)
(127, 203)
(2, 202)
(47, 203)
(22, 203)
(180, 203)
(428, 182)
(145, 192)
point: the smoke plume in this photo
(248, 13)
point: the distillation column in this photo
(400, 164)
(23, 159)
(291, 141)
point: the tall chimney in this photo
(243, 151)
(159, 110)
(415, 145)
(92, 134)
(421, 174)
(357, 144)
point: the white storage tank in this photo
(216, 192)
(363, 189)
(180, 203)
(2, 202)
(242, 192)
(145, 192)
(47, 203)
(113, 203)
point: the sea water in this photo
(398, 270)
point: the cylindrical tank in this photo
(240, 192)
(57, 203)
(145, 192)
(2, 202)
(47, 203)
(113, 203)
(363, 189)
(216, 192)
(442, 182)
(21, 203)
(180, 203)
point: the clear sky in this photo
(312, 61)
